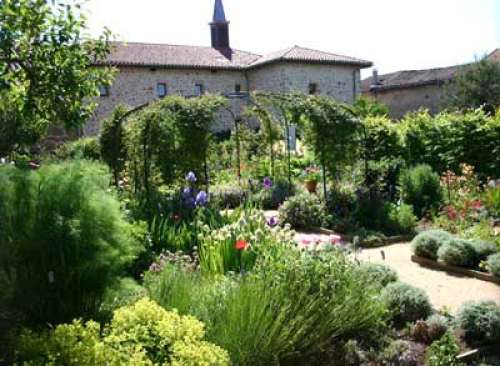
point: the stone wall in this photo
(339, 82)
(402, 101)
(134, 86)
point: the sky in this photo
(393, 34)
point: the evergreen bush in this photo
(66, 238)
(406, 303)
(480, 321)
(303, 210)
(379, 273)
(457, 252)
(427, 244)
(421, 188)
(493, 264)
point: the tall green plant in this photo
(66, 238)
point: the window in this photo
(161, 90)
(237, 88)
(313, 88)
(198, 90)
(103, 90)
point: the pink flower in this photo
(335, 239)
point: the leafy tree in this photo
(45, 59)
(475, 86)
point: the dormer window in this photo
(161, 90)
(198, 90)
(103, 90)
(313, 88)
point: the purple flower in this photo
(272, 221)
(201, 198)
(191, 177)
(267, 183)
(190, 203)
(187, 193)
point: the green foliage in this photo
(122, 292)
(401, 219)
(437, 325)
(379, 273)
(493, 264)
(227, 196)
(46, 70)
(168, 139)
(457, 252)
(443, 352)
(272, 198)
(406, 303)
(236, 246)
(112, 142)
(303, 210)
(428, 243)
(83, 148)
(475, 86)
(139, 334)
(483, 249)
(420, 187)
(368, 107)
(448, 140)
(480, 321)
(65, 237)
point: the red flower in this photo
(451, 212)
(241, 245)
(176, 217)
(477, 204)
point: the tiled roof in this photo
(410, 78)
(495, 55)
(301, 54)
(163, 55)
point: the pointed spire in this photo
(219, 14)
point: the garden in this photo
(163, 242)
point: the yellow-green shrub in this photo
(141, 334)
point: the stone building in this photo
(150, 71)
(410, 90)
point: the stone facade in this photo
(134, 86)
(404, 100)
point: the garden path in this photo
(444, 289)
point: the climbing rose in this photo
(241, 245)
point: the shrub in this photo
(288, 306)
(483, 249)
(428, 243)
(83, 148)
(443, 352)
(303, 210)
(139, 334)
(406, 303)
(480, 321)
(401, 219)
(457, 252)
(273, 197)
(227, 196)
(420, 187)
(438, 326)
(294, 305)
(66, 237)
(493, 264)
(379, 273)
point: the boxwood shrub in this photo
(483, 249)
(406, 303)
(303, 210)
(428, 243)
(457, 252)
(227, 196)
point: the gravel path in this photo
(444, 289)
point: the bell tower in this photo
(220, 28)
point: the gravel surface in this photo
(444, 289)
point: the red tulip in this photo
(241, 245)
